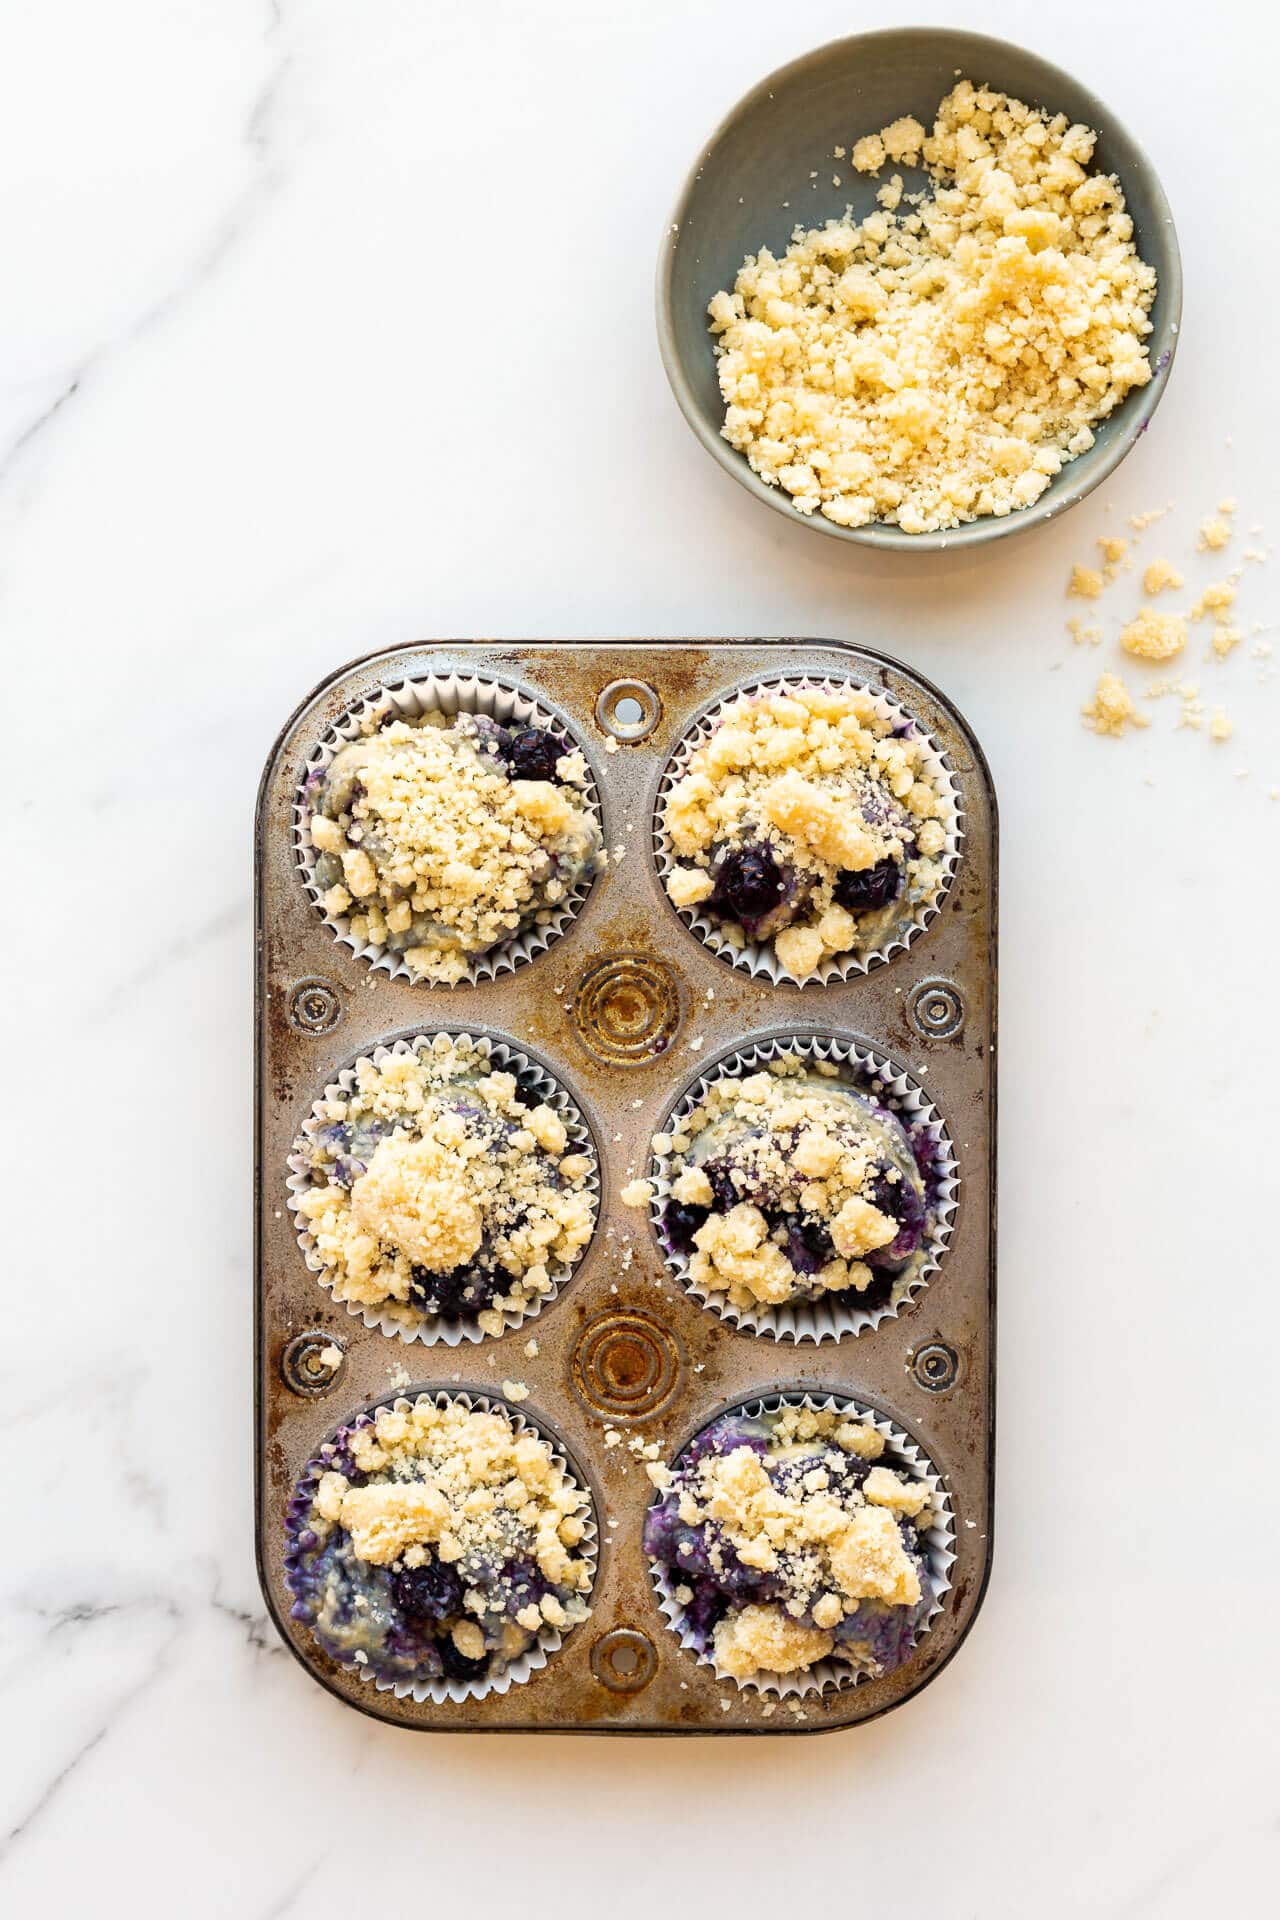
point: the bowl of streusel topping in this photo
(920, 289)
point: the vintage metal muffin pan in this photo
(625, 1008)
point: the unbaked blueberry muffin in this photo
(798, 1183)
(442, 839)
(437, 1542)
(808, 820)
(435, 1189)
(786, 1539)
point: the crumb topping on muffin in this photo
(792, 1184)
(443, 838)
(438, 1190)
(439, 1540)
(793, 1541)
(944, 358)
(808, 820)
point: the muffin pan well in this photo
(625, 1007)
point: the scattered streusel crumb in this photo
(1220, 727)
(1112, 708)
(515, 1390)
(1084, 636)
(1159, 577)
(636, 1193)
(1154, 636)
(1214, 535)
(1141, 521)
(1215, 599)
(1086, 583)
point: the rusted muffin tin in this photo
(611, 1008)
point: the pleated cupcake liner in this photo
(938, 1541)
(538, 1086)
(547, 1642)
(448, 694)
(869, 1073)
(906, 921)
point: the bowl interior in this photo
(754, 183)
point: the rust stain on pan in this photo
(625, 1009)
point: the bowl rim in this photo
(1138, 406)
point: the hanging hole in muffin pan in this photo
(628, 710)
(625, 1003)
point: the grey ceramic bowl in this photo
(762, 154)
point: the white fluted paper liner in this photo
(537, 1085)
(819, 1320)
(550, 1639)
(938, 1540)
(905, 920)
(450, 694)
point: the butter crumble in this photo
(1086, 583)
(1154, 636)
(933, 367)
(1159, 577)
(1111, 710)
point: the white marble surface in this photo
(325, 326)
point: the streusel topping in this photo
(787, 1182)
(440, 1539)
(808, 820)
(439, 1189)
(798, 1543)
(944, 358)
(460, 1481)
(431, 841)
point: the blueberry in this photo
(524, 1582)
(459, 1295)
(724, 1194)
(749, 883)
(682, 1222)
(532, 754)
(456, 1665)
(809, 1246)
(874, 887)
(731, 1430)
(877, 1293)
(899, 1199)
(706, 1609)
(741, 1583)
(662, 1528)
(430, 1592)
